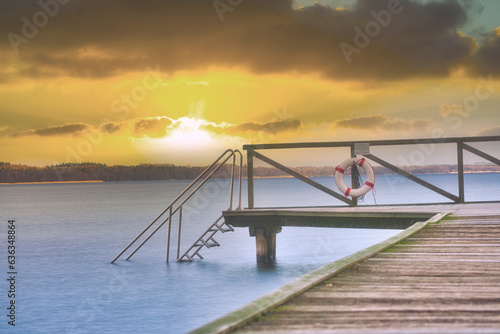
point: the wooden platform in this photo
(445, 278)
(265, 223)
(339, 217)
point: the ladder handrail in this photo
(177, 208)
(180, 258)
(202, 174)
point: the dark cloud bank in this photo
(101, 38)
(55, 130)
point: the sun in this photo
(187, 141)
(187, 132)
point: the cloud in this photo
(195, 83)
(449, 111)
(261, 36)
(486, 59)
(4, 129)
(152, 127)
(110, 127)
(268, 127)
(56, 130)
(384, 123)
(491, 131)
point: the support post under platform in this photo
(265, 242)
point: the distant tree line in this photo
(12, 173)
(96, 172)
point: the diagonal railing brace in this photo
(413, 177)
(303, 178)
(480, 153)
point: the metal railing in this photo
(363, 146)
(176, 205)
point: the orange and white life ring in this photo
(339, 177)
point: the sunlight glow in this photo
(187, 141)
(187, 133)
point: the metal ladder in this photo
(206, 240)
(176, 205)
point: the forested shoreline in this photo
(15, 173)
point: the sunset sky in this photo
(129, 82)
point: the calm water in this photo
(68, 233)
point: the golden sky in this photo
(128, 82)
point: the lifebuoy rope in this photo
(349, 163)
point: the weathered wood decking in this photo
(443, 279)
(438, 277)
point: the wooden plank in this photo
(316, 218)
(433, 241)
(448, 249)
(393, 305)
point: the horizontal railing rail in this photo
(389, 142)
(363, 146)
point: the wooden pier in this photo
(441, 274)
(265, 224)
(438, 276)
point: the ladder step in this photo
(189, 258)
(207, 240)
(219, 228)
(228, 229)
(205, 243)
(214, 242)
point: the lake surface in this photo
(66, 235)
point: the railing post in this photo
(168, 233)
(240, 178)
(179, 233)
(354, 176)
(250, 178)
(232, 183)
(460, 170)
